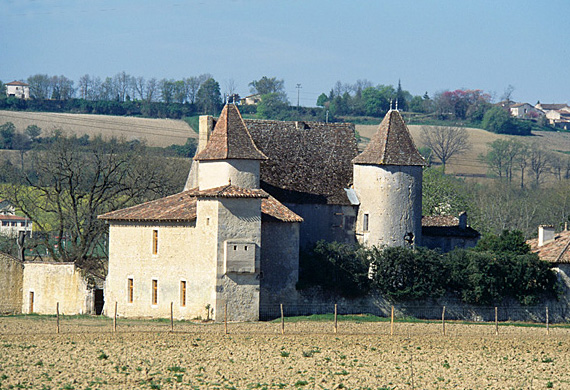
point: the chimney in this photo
(463, 220)
(204, 130)
(545, 234)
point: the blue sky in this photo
(429, 45)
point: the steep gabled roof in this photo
(230, 139)
(181, 207)
(392, 144)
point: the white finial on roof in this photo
(390, 105)
(396, 104)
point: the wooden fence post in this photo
(115, 318)
(392, 322)
(282, 320)
(172, 316)
(57, 315)
(226, 317)
(496, 322)
(335, 318)
(443, 320)
(547, 322)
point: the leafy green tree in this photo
(508, 241)
(7, 131)
(375, 102)
(269, 85)
(401, 98)
(272, 106)
(2, 90)
(499, 121)
(208, 97)
(443, 194)
(33, 132)
(335, 267)
(322, 99)
(406, 274)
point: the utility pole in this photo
(298, 94)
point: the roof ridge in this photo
(230, 139)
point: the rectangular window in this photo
(31, 302)
(155, 292)
(130, 290)
(365, 223)
(183, 293)
(155, 242)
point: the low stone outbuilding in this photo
(554, 248)
(47, 283)
(447, 232)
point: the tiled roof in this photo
(440, 220)
(177, 207)
(18, 83)
(228, 191)
(9, 217)
(230, 139)
(556, 251)
(272, 209)
(309, 162)
(553, 106)
(392, 144)
(446, 226)
(182, 207)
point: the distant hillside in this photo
(157, 132)
(468, 164)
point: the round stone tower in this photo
(387, 179)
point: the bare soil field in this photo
(157, 132)
(144, 354)
(468, 164)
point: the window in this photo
(130, 290)
(155, 242)
(182, 293)
(155, 292)
(4, 223)
(31, 302)
(365, 223)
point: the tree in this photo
(503, 156)
(272, 106)
(208, 96)
(539, 161)
(401, 98)
(322, 99)
(7, 131)
(167, 90)
(269, 85)
(71, 184)
(443, 194)
(2, 90)
(445, 142)
(40, 86)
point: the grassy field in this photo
(362, 355)
(157, 132)
(468, 164)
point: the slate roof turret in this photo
(392, 144)
(230, 139)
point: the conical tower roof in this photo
(392, 144)
(230, 139)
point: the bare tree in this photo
(71, 184)
(539, 162)
(445, 142)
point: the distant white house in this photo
(251, 99)
(18, 89)
(11, 224)
(558, 115)
(525, 111)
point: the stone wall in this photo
(279, 263)
(239, 219)
(11, 281)
(45, 284)
(182, 256)
(325, 222)
(391, 196)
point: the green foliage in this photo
(335, 267)
(497, 120)
(208, 97)
(512, 242)
(443, 194)
(7, 131)
(272, 106)
(186, 150)
(405, 274)
(269, 85)
(501, 268)
(322, 99)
